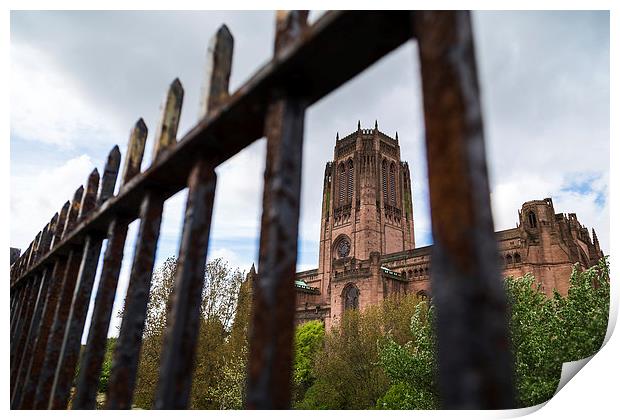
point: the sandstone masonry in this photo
(367, 248)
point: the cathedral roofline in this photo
(367, 132)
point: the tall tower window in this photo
(350, 181)
(393, 184)
(342, 183)
(384, 176)
(531, 218)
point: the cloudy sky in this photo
(79, 80)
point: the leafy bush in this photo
(308, 340)
(411, 367)
(346, 370)
(547, 332)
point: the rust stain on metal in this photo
(467, 290)
(110, 173)
(70, 350)
(135, 151)
(89, 200)
(171, 113)
(38, 355)
(54, 341)
(74, 210)
(60, 226)
(129, 343)
(218, 69)
(175, 375)
(271, 331)
(127, 351)
(92, 360)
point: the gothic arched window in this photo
(342, 183)
(509, 259)
(393, 184)
(384, 176)
(517, 258)
(350, 296)
(531, 218)
(350, 181)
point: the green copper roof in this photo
(303, 285)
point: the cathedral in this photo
(367, 248)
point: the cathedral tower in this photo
(367, 202)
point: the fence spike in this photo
(290, 25)
(50, 233)
(89, 199)
(171, 112)
(110, 173)
(183, 321)
(135, 151)
(60, 225)
(218, 69)
(74, 210)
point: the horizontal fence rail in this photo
(52, 281)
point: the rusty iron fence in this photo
(52, 281)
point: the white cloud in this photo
(36, 196)
(48, 106)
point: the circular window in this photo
(343, 248)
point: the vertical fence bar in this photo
(19, 327)
(271, 332)
(22, 301)
(175, 375)
(26, 352)
(23, 321)
(18, 308)
(475, 369)
(67, 285)
(127, 351)
(94, 353)
(19, 340)
(24, 397)
(70, 350)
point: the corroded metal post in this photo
(175, 374)
(94, 353)
(475, 367)
(24, 396)
(79, 209)
(271, 331)
(26, 352)
(127, 351)
(70, 350)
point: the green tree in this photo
(347, 371)
(218, 307)
(308, 340)
(411, 368)
(546, 332)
